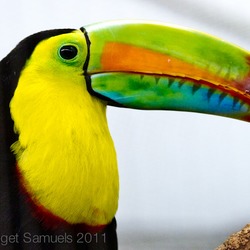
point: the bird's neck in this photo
(66, 155)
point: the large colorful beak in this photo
(152, 66)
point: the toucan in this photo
(59, 181)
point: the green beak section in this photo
(152, 66)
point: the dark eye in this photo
(68, 52)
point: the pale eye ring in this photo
(68, 52)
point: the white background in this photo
(178, 171)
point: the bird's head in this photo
(140, 65)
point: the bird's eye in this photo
(68, 52)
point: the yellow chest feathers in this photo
(65, 152)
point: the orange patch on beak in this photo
(119, 57)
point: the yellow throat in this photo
(65, 152)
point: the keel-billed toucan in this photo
(58, 167)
